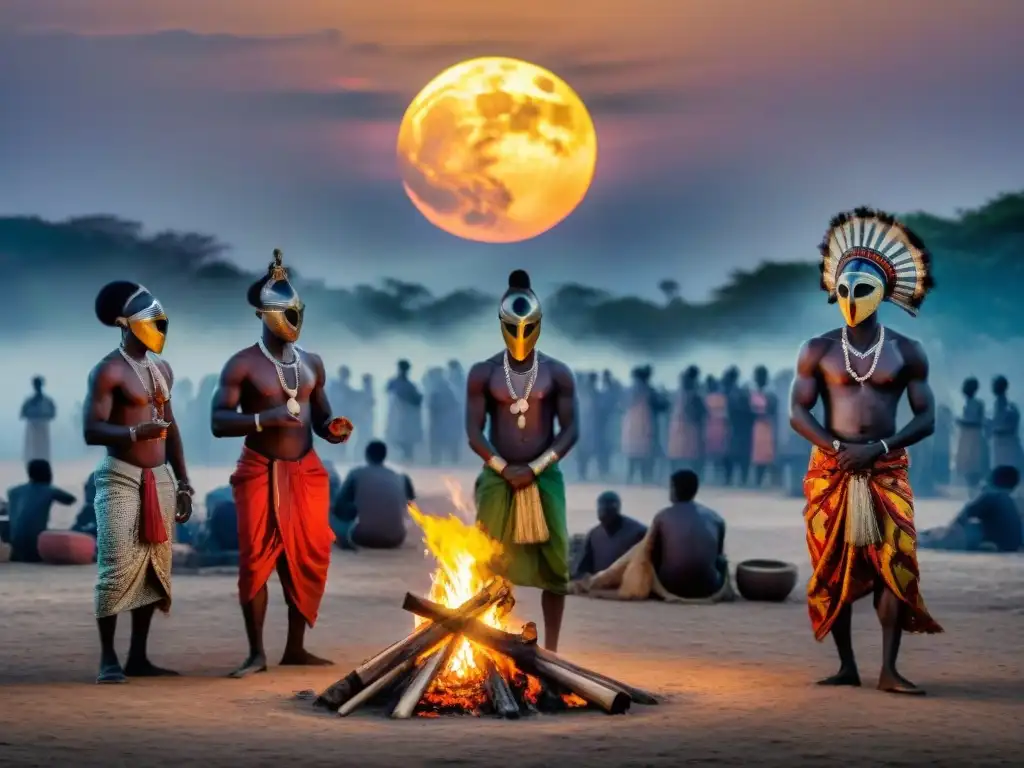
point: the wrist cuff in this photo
(543, 462)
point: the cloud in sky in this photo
(725, 137)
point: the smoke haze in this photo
(970, 326)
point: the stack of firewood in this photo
(403, 672)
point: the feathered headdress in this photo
(879, 238)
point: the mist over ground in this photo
(971, 325)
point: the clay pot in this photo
(66, 548)
(765, 580)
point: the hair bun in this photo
(519, 280)
(111, 298)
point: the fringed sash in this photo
(530, 525)
(861, 521)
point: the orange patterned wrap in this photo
(844, 572)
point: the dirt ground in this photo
(736, 679)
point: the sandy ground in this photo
(736, 678)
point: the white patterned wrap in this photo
(131, 574)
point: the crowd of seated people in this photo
(683, 551)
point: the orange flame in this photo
(464, 554)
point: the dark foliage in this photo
(58, 266)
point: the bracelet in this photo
(131, 434)
(256, 418)
(885, 446)
(537, 466)
(497, 463)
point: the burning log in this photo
(422, 679)
(370, 691)
(612, 699)
(503, 642)
(499, 693)
(523, 650)
(420, 641)
(638, 695)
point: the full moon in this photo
(496, 150)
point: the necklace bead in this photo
(519, 402)
(877, 349)
(292, 404)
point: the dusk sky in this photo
(729, 131)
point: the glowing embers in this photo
(494, 681)
(460, 658)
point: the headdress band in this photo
(152, 310)
(891, 278)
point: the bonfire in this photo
(467, 655)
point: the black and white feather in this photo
(880, 238)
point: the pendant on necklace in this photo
(521, 421)
(293, 406)
(519, 406)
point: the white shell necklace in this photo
(521, 406)
(876, 349)
(293, 404)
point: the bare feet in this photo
(303, 658)
(845, 676)
(146, 668)
(894, 682)
(111, 674)
(257, 662)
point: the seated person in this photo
(218, 532)
(222, 528)
(29, 509)
(688, 547)
(218, 496)
(85, 521)
(214, 542)
(370, 509)
(613, 537)
(989, 522)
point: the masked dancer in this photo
(273, 394)
(520, 495)
(142, 485)
(860, 508)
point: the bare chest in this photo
(506, 392)
(271, 383)
(138, 389)
(885, 373)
